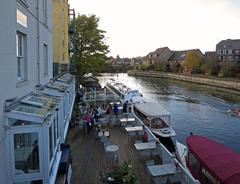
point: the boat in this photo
(154, 116)
(209, 161)
(125, 93)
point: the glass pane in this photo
(30, 182)
(26, 153)
(50, 142)
(19, 67)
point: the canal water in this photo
(195, 108)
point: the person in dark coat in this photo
(125, 105)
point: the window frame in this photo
(45, 59)
(21, 56)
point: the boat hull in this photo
(167, 142)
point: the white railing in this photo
(99, 96)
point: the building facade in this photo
(228, 50)
(26, 58)
(60, 14)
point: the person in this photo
(92, 120)
(98, 112)
(84, 127)
(88, 121)
(108, 113)
(115, 110)
(145, 137)
(125, 105)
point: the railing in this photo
(99, 96)
(167, 157)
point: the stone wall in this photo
(212, 82)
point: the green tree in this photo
(91, 48)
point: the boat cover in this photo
(220, 161)
(152, 109)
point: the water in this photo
(194, 108)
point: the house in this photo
(60, 36)
(180, 57)
(136, 61)
(210, 56)
(35, 109)
(159, 55)
(228, 50)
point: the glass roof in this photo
(35, 104)
(67, 78)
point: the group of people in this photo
(94, 113)
(91, 117)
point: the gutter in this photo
(38, 44)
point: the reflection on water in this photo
(194, 108)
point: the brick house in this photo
(228, 50)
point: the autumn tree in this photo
(193, 61)
(91, 49)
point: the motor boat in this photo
(209, 161)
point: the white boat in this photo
(181, 153)
(155, 117)
(124, 92)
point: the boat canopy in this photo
(152, 109)
(221, 161)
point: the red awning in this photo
(221, 161)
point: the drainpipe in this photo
(38, 44)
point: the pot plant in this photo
(120, 174)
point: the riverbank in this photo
(233, 84)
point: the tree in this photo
(210, 67)
(193, 61)
(227, 68)
(91, 49)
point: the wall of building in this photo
(60, 36)
(199, 80)
(10, 87)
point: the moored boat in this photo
(123, 91)
(154, 116)
(210, 162)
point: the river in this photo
(194, 108)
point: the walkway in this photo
(89, 158)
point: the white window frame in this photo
(45, 14)
(21, 56)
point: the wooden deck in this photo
(89, 158)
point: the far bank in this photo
(233, 84)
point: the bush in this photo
(227, 69)
(122, 174)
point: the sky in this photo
(137, 27)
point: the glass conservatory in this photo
(34, 138)
(36, 126)
(66, 92)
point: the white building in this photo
(26, 62)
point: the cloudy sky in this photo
(136, 27)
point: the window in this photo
(45, 59)
(45, 11)
(50, 143)
(195, 165)
(21, 56)
(26, 153)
